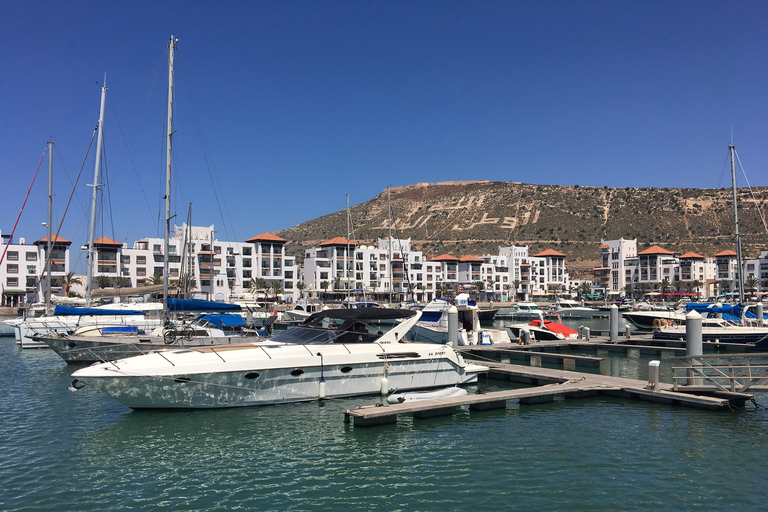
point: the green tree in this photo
(277, 289)
(256, 285)
(102, 281)
(696, 287)
(664, 285)
(516, 286)
(723, 286)
(300, 286)
(751, 283)
(67, 281)
(122, 282)
(629, 290)
(157, 278)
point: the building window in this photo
(141, 260)
(13, 268)
(246, 274)
(156, 248)
(31, 256)
(247, 262)
(141, 271)
(12, 281)
(246, 251)
(13, 255)
(173, 272)
(125, 259)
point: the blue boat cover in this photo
(222, 321)
(72, 311)
(200, 305)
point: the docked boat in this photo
(415, 396)
(302, 310)
(432, 327)
(718, 330)
(567, 308)
(542, 330)
(649, 319)
(316, 360)
(521, 311)
(92, 344)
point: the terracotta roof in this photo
(471, 258)
(339, 240)
(691, 255)
(655, 250)
(445, 257)
(56, 239)
(728, 252)
(549, 252)
(266, 237)
(106, 241)
(604, 246)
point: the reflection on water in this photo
(82, 451)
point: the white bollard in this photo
(614, 323)
(627, 329)
(693, 344)
(453, 327)
(653, 375)
(586, 333)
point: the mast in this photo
(50, 242)
(95, 196)
(389, 245)
(346, 265)
(167, 197)
(740, 274)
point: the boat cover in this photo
(223, 321)
(200, 305)
(359, 314)
(72, 311)
(554, 327)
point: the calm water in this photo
(81, 451)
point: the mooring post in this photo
(653, 375)
(453, 327)
(614, 323)
(627, 329)
(693, 345)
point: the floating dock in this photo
(547, 385)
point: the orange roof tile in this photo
(604, 246)
(655, 250)
(549, 252)
(691, 255)
(266, 237)
(445, 257)
(339, 240)
(728, 252)
(471, 258)
(106, 241)
(56, 239)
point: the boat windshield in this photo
(358, 333)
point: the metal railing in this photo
(735, 373)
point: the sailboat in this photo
(725, 323)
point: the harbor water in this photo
(81, 451)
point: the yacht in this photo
(302, 310)
(334, 353)
(432, 327)
(542, 330)
(521, 311)
(567, 308)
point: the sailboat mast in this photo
(50, 242)
(95, 196)
(739, 273)
(346, 265)
(389, 245)
(166, 247)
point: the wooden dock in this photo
(548, 384)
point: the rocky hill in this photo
(477, 217)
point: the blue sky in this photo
(287, 105)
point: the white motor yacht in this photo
(432, 327)
(309, 362)
(567, 308)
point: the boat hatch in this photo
(252, 375)
(297, 373)
(346, 369)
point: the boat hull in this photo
(747, 335)
(264, 374)
(645, 319)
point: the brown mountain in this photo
(477, 217)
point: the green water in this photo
(84, 452)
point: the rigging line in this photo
(751, 192)
(69, 201)
(207, 160)
(66, 172)
(108, 190)
(22, 206)
(128, 150)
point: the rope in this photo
(22, 206)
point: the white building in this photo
(220, 269)
(24, 267)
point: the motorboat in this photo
(334, 353)
(302, 310)
(542, 330)
(718, 330)
(567, 308)
(95, 343)
(521, 311)
(432, 327)
(649, 319)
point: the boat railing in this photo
(734, 373)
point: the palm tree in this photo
(67, 281)
(103, 281)
(696, 286)
(157, 278)
(516, 284)
(300, 286)
(585, 288)
(479, 287)
(506, 290)
(187, 284)
(277, 289)
(337, 283)
(256, 284)
(678, 286)
(664, 285)
(122, 282)
(722, 286)
(629, 290)
(751, 283)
